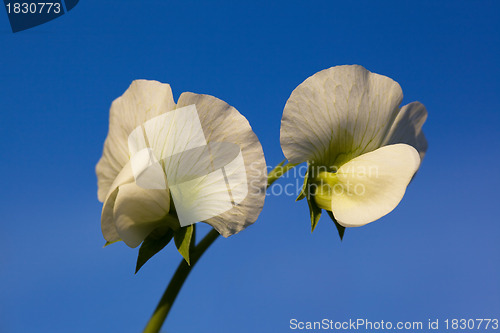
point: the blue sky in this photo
(435, 256)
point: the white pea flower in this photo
(361, 147)
(171, 165)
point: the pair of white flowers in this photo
(345, 122)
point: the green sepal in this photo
(314, 212)
(303, 192)
(182, 238)
(153, 244)
(340, 229)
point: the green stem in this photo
(279, 171)
(175, 285)
(167, 300)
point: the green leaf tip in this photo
(112, 242)
(153, 244)
(314, 212)
(340, 229)
(182, 238)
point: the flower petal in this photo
(107, 217)
(169, 134)
(338, 114)
(372, 185)
(223, 123)
(207, 196)
(142, 101)
(200, 161)
(407, 128)
(207, 181)
(139, 211)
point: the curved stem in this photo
(175, 285)
(167, 300)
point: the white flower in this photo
(362, 148)
(160, 168)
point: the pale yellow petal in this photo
(372, 185)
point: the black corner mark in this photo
(26, 14)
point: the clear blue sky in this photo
(436, 256)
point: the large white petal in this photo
(139, 211)
(407, 128)
(207, 181)
(158, 146)
(171, 133)
(200, 161)
(338, 114)
(142, 101)
(223, 123)
(372, 185)
(201, 198)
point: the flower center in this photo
(323, 186)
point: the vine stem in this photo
(175, 285)
(167, 300)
